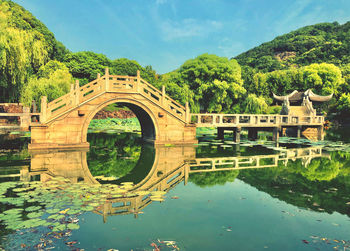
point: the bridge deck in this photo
(254, 120)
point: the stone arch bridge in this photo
(64, 122)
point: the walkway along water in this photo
(64, 122)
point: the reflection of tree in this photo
(113, 155)
(319, 169)
(207, 179)
(322, 185)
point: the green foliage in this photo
(321, 169)
(345, 69)
(55, 83)
(343, 105)
(325, 42)
(113, 156)
(323, 78)
(213, 178)
(85, 65)
(124, 66)
(276, 109)
(25, 45)
(307, 186)
(255, 105)
(211, 83)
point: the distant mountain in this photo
(324, 42)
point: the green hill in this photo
(319, 43)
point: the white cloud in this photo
(188, 28)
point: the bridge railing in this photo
(259, 120)
(110, 83)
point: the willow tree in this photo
(54, 82)
(25, 45)
(255, 105)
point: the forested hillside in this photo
(320, 43)
(34, 64)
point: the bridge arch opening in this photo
(145, 117)
(115, 158)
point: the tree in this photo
(25, 45)
(54, 83)
(215, 82)
(343, 105)
(124, 66)
(85, 65)
(323, 78)
(255, 105)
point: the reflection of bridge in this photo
(64, 122)
(171, 166)
(258, 161)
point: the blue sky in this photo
(165, 33)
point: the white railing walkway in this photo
(253, 120)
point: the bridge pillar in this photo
(276, 134)
(252, 133)
(221, 132)
(237, 135)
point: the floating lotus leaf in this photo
(87, 208)
(35, 215)
(32, 200)
(59, 228)
(32, 208)
(13, 211)
(10, 217)
(33, 223)
(73, 226)
(15, 225)
(72, 211)
(56, 216)
(13, 201)
(52, 210)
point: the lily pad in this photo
(73, 226)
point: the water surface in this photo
(217, 195)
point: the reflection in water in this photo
(307, 177)
(161, 169)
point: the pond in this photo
(123, 194)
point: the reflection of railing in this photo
(259, 161)
(253, 120)
(110, 83)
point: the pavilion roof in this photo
(296, 96)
